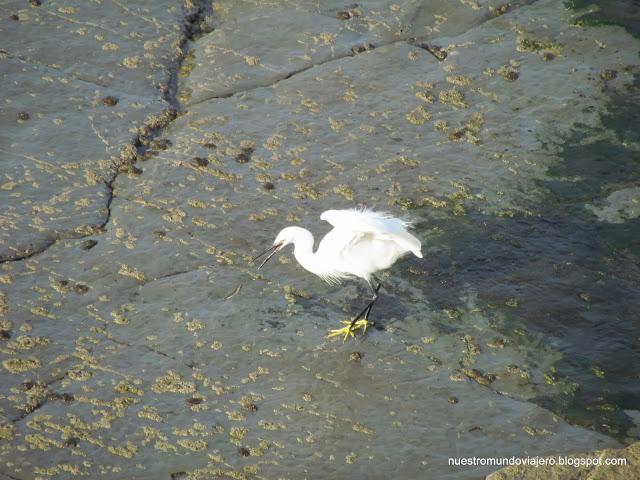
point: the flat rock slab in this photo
(257, 45)
(69, 112)
(160, 383)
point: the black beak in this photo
(271, 251)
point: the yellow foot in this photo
(348, 330)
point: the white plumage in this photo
(361, 243)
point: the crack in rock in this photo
(48, 396)
(425, 43)
(6, 475)
(139, 147)
(355, 51)
(6, 54)
(148, 348)
(153, 128)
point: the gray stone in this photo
(257, 45)
(620, 206)
(59, 163)
(157, 350)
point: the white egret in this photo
(361, 243)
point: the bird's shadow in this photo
(560, 276)
(388, 309)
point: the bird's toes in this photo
(349, 329)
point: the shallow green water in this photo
(575, 279)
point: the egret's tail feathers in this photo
(411, 243)
(406, 241)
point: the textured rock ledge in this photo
(152, 349)
(75, 116)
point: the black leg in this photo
(373, 300)
(360, 315)
(367, 310)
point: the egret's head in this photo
(284, 238)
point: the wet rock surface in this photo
(148, 162)
(87, 104)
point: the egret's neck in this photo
(303, 251)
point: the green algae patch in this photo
(236, 416)
(478, 376)
(459, 80)
(150, 413)
(187, 66)
(126, 387)
(290, 294)
(129, 271)
(404, 203)
(361, 428)
(432, 202)
(4, 307)
(237, 434)
(36, 393)
(37, 441)
(511, 302)
(518, 371)
(19, 365)
(509, 73)
(497, 343)
(469, 132)
(425, 97)
(221, 174)
(26, 342)
(453, 97)
(470, 345)
(79, 374)
(535, 432)
(344, 190)
(7, 431)
(193, 445)
(128, 450)
(418, 116)
(264, 424)
(74, 470)
(173, 383)
(525, 43)
(307, 191)
(471, 349)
